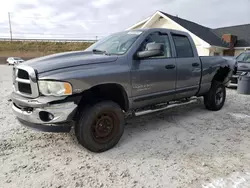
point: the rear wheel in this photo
(214, 100)
(100, 126)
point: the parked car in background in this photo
(14, 60)
(243, 62)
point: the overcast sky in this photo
(88, 18)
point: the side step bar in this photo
(177, 103)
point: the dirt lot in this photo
(183, 147)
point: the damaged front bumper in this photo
(50, 114)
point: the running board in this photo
(140, 113)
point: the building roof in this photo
(203, 32)
(241, 31)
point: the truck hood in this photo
(67, 59)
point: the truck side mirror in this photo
(152, 49)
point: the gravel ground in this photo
(182, 147)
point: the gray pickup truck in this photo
(127, 72)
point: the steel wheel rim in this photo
(104, 127)
(219, 95)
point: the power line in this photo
(61, 37)
(48, 40)
(88, 34)
(49, 18)
(37, 23)
(49, 22)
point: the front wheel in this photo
(100, 126)
(215, 98)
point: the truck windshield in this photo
(116, 44)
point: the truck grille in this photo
(25, 82)
(24, 88)
(23, 74)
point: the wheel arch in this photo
(108, 91)
(222, 74)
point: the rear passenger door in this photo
(188, 67)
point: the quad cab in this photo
(125, 73)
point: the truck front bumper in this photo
(41, 113)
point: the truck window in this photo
(244, 57)
(158, 37)
(183, 46)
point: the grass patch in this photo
(35, 49)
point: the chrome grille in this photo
(22, 74)
(25, 82)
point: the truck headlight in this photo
(55, 88)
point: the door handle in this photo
(169, 66)
(196, 64)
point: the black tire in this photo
(215, 98)
(100, 126)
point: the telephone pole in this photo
(10, 26)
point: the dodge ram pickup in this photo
(127, 72)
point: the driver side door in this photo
(154, 78)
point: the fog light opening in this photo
(46, 116)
